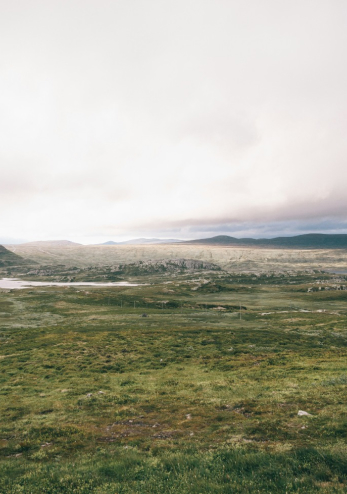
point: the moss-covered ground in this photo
(196, 397)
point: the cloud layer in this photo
(141, 117)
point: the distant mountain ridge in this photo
(142, 241)
(52, 243)
(306, 241)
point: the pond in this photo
(13, 283)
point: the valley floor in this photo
(170, 387)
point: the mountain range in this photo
(306, 241)
(141, 241)
(51, 243)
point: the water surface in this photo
(13, 283)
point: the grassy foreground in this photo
(96, 398)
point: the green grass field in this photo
(197, 397)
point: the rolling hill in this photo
(8, 258)
(143, 241)
(52, 243)
(307, 241)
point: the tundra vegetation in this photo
(190, 382)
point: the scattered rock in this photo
(189, 416)
(100, 393)
(302, 413)
(144, 315)
(89, 395)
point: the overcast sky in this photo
(180, 118)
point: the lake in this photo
(13, 283)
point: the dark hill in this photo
(307, 241)
(8, 258)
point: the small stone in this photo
(89, 395)
(302, 413)
(188, 416)
(101, 392)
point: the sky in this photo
(172, 119)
